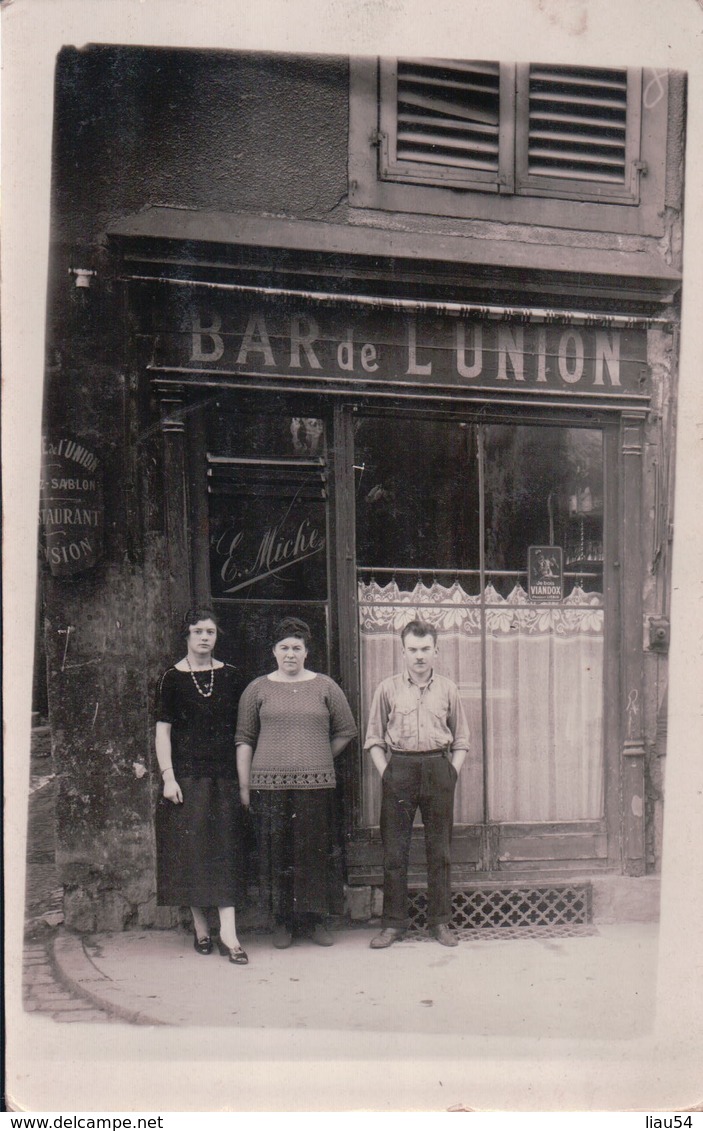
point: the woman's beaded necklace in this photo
(205, 694)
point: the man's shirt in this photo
(407, 717)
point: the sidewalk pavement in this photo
(521, 1024)
(598, 986)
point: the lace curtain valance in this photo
(543, 693)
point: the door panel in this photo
(267, 546)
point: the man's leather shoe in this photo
(443, 935)
(387, 936)
(320, 935)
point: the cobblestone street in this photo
(42, 988)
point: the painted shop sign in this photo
(545, 573)
(71, 513)
(388, 347)
(268, 548)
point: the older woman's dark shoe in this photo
(320, 935)
(282, 936)
(203, 945)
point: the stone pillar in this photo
(632, 705)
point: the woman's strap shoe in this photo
(203, 945)
(237, 955)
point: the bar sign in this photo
(545, 573)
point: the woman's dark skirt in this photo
(300, 873)
(200, 859)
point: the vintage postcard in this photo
(351, 435)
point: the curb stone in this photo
(74, 969)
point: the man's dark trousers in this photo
(410, 781)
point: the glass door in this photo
(268, 525)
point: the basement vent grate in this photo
(500, 909)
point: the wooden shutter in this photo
(446, 122)
(578, 132)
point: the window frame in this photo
(556, 187)
(367, 190)
(393, 168)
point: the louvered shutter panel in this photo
(578, 132)
(442, 122)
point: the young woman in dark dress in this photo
(199, 837)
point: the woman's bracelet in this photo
(166, 770)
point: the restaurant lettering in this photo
(390, 347)
(71, 514)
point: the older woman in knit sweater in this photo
(291, 725)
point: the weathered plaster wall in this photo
(210, 131)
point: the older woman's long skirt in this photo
(300, 873)
(200, 860)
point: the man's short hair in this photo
(419, 628)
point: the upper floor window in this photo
(562, 131)
(528, 143)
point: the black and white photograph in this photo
(354, 762)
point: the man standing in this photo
(418, 739)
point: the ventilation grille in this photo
(482, 908)
(448, 113)
(577, 123)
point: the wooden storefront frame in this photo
(489, 851)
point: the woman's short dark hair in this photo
(198, 613)
(291, 626)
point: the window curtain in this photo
(544, 695)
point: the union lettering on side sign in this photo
(71, 512)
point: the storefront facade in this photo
(394, 412)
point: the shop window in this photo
(450, 540)
(446, 137)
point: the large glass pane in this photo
(544, 661)
(544, 487)
(418, 554)
(416, 498)
(268, 540)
